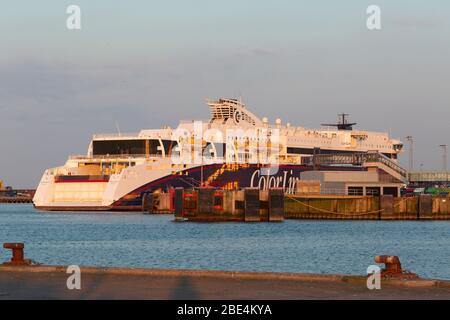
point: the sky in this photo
(143, 64)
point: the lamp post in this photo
(444, 156)
(411, 153)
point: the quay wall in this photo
(49, 282)
(387, 207)
(253, 205)
(17, 196)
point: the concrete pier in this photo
(49, 282)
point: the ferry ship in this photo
(233, 149)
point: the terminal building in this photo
(373, 182)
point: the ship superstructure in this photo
(233, 149)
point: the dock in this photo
(385, 207)
(17, 196)
(273, 205)
(16, 200)
(49, 282)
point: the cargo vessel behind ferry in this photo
(233, 149)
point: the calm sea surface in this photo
(137, 240)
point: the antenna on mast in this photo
(342, 123)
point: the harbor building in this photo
(373, 182)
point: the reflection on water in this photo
(137, 240)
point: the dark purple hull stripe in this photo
(241, 176)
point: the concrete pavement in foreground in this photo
(117, 283)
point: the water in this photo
(137, 240)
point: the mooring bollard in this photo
(393, 267)
(17, 254)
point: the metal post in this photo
(411, 153)
(421, 172)
(444, 157)
(201, 165)
(201, 174)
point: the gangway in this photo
(365, 159)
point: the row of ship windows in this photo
(367, 145)
(375, 146)
(322, 141)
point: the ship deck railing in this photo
(112, 156)
(133, 135)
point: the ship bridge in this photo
(232, 111)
